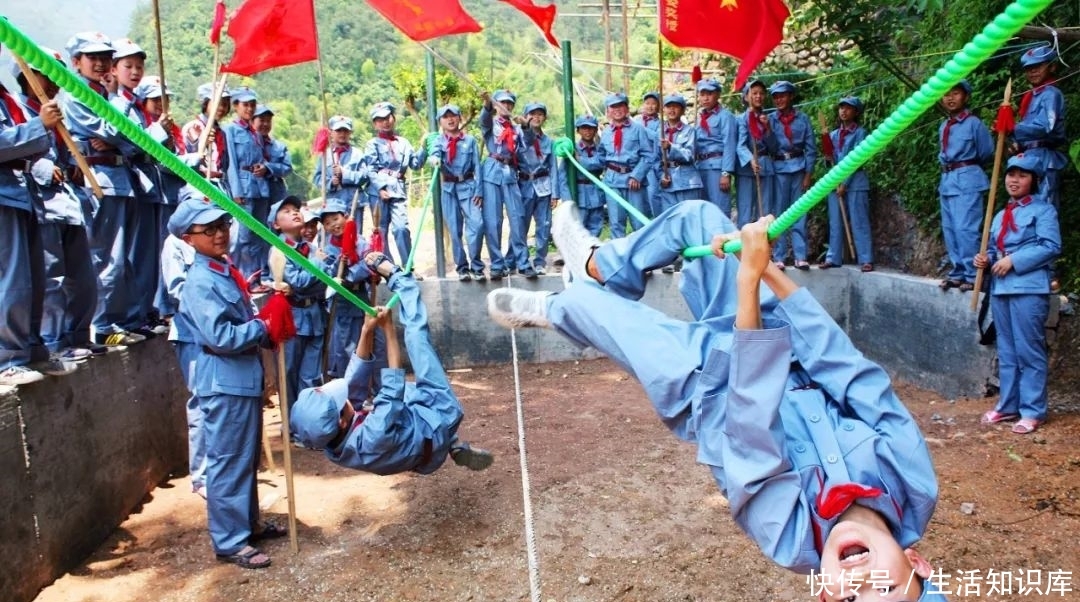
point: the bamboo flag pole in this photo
(665, 177)
(991, 198)
(161, 57)
(61, 129)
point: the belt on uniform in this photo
(532, 176)
(302, 303)
(619, 167)
(109, 160)
(674, 163)
(792, 154)
(953, 166)
(704, 156)
(354, 287)
(249, 351)
(249, 167)
(1038, 144)
(449, 178)
(504, 159)
(16, 164)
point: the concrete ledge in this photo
(907, 324)
(80, 453)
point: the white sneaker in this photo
(517, 308)
(55, 367)
(16, 376)
(574, 242)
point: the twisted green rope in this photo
(564, 147)
(980, 48)
(17, 42)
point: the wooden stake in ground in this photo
(991, 198)
(61, 129)
(277, 269)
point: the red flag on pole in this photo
(218, 22)
(751, 28)
(272, 33)
(543, 16)
(434, 19)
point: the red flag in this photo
(543, 16)
(752, 28)
(272, 33)
(434, 19)
(217, 23)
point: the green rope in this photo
(993, 37)
(11, 37)
(423, 216)
(564, 147)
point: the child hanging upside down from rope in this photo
(821, 463)
(407, 426)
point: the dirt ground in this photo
(622, 512)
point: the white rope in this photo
(530, 535)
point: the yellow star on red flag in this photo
(732, 4)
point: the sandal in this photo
(268, 531)
(1026, 426)
(780, 266)
(247, 558)
(381, 264)
(824, 265)
(947, 284)
(994, 417)
(966, 287)
(802, 264)
(867, 267)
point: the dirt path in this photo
(622, 512)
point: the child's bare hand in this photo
(720, 240)
(981, 260)
(756, 248)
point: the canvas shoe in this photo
(72, 354)
(573, 240)
(17, 376)
(472, 458)
(120, 337)
(54, 367)
(517, 308)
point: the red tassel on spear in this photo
(321, 142)
(1005, 122)
(695, 75)
(277, 313)
(348, 242)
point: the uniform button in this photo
(849, 427)
(815, 418)
(831, 459)
(800, 448)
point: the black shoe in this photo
(497, 275)
(528, 273)
(479, 276)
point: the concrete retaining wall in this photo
(907, 324)
(80, 453)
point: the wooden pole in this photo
(61, 129)
(750, 114)
(843, 205)
(161, 57)
(211, 118)
(665, 176)
(991, 198)
(333, 302)
(605, 20)
(625, 47)
(277, 268)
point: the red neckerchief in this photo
(237, 277)
(340, 150)
(1025, 100)
(754, 123)
(841, 497)
(645, 119)
(786, 118)
(301, 246)
(451, 146)
(129, 96)
(948, 126)
(588, 148)
(617, 139)
(704, 124)
(390, 138)
(506, 138)
(13, 107)
(844, 131)
(97, 87)
(671, 131)
(1008, 220)
(536, 146)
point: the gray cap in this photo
(88, 42)
(315, 415)
(194, 211)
